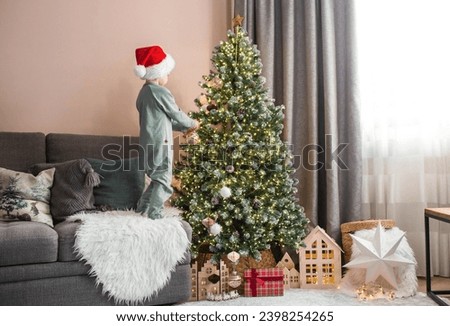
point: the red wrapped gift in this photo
(263, 282)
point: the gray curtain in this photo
(308, 52)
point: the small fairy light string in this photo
(371, 291)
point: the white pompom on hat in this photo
(153, 62)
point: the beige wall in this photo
(67, 66)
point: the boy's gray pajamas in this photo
(158, 117)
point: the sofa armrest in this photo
(187, 228)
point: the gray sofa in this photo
(37, 262)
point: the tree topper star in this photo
(378, 258)
(237, 21)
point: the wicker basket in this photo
(351, 227)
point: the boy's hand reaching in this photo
(191, 136)
(192, 129)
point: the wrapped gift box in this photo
(263, 282)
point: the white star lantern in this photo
(378, 257)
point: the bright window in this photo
(404, 68)
(404, 62)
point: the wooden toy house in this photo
(291, 275)
(286, 261)
(194, 286)
(320, 261)
(294, 278)
(286, 278)
(209, 279)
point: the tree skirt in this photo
(130, 255)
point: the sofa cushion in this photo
(26, 197)
(121, 183)
(72, 190)
(27, 243)
(19, 150)
(31, 272)
(66, 240)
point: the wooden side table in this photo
(443, 215)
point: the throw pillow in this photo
(121, 183)
(72, 190)
(24, 196)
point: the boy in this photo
(158, 117)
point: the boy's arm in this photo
(180, 120)
(176, 126)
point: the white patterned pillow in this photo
(26, 197)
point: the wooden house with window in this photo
(291, 275)
(320, 261)
(208, 279)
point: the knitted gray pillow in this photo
(72, 189)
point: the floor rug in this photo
(304, 297)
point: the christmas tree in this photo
(11, 199)
(237, 192)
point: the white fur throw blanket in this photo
(405, 275)
(130, 255)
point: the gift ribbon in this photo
(255, 280)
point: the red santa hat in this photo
(153, 62)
